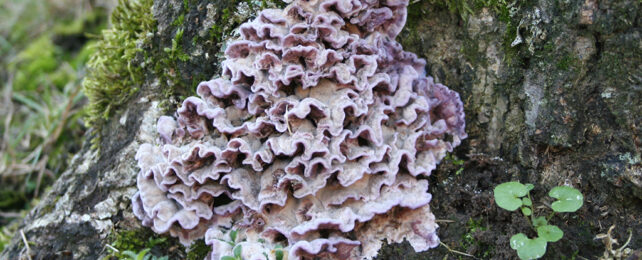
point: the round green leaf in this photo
(568, 199)
(539, 221)
(237, 251)
(526, 211)
(528, 248)
(527, 202)
(518, 240)
(529, 186)
(227, 257)
(507, 195)
(550, 233)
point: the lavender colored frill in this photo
(313, 139)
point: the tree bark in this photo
(552, 94)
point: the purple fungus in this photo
(313, 139)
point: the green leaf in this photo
(227, 257)
(527, 202)
(233, 234)
(278, 254)
(28, 102)
(529, 186)
(539, 221)
(568, 199)
(141, 254)
(507, 195)
(237, 251)
(224, 241)
(528, 248)
(458, 162)
(550, 233)
(129, 254)
(155, 241)
(526, 211)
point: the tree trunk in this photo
(552, 94)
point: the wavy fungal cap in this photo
(314, 139)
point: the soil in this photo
(552, 97)
(471, 222)
(554, 109)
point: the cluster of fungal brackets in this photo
(318, 137)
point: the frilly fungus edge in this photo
(316, 137)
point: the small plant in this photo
(468, 240)
(142, 255)
(237, 248)
(5, 238)
(279, 252)
(133, 255)
(455, 161)
(128, 246)
(514, 195)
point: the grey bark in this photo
(552, 96)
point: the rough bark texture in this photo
(552, 92)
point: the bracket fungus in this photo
(317, 137)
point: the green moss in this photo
(165, 63)
(417, 11)
(176, 52)
(218, 31)
(112, 77)
(572, 257)
(548, 47)
(511, 53)
(168, 63)
(129, 240)
(146, 242)
(567, 61)
(465, 8)
(468, 239)
(138, 240)
(198, 250)
(470, 50)
(231, 13)
(179, 20)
